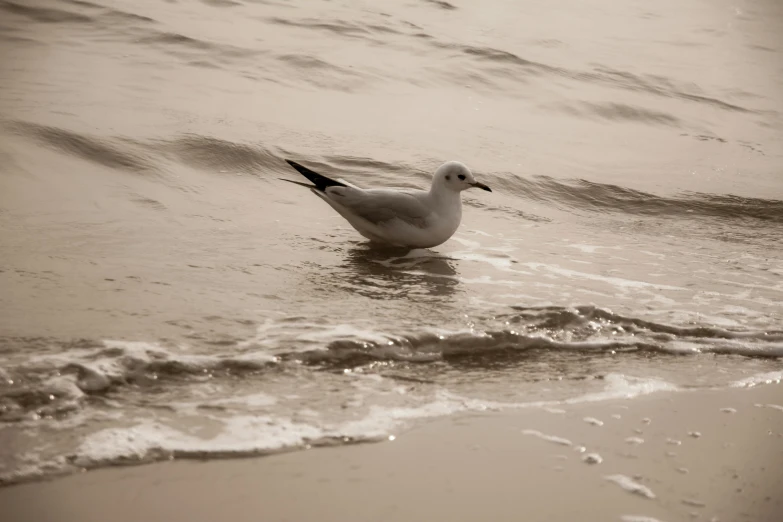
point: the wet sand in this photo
(693, 455)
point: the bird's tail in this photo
(306, 185)
(321, 182)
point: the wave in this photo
(619, 112)
(51, 15)
(322, 74)
(62, 376)
(601, 75)
(174, 43)
(509, 211)
(6, 36)
(441, 4)
(337, 27)
(148, 440)
(43, 14)
(117, 152)
(221, 3)
(586, 329)
(217, 155)
(104, 151)
(112, 24)
(481, 65)
(568, 318)
(581, 194)
(572, 194)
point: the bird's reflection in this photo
(391, 273)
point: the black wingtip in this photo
(305, 185)
(320, 182)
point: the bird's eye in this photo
(462, 177)
(448, 177)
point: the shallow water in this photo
(165, 294)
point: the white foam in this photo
(631, 485)
(593, 421)
(638, 518)
(761, 378)
(240, 436)
(380, 420)
(502, 263)
(487, 280)
(32, 469)
(133, 347)
(253, 400)
(587, 249)
(250, 434)
(150, 440)
(680, 347)
(615, 281)
(278, 334)
(592, 458)
(102, 366)
(549, 438)
(619, 386)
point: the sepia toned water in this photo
(163, 294)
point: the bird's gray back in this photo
(380, 205)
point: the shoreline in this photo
(686, 455)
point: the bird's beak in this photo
(482, 186)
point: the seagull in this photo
(398, 217)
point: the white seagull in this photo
(399, 217)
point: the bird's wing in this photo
(382, 205)
(347, 183)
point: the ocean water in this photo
(164, 295)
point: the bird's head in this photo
(455, 176)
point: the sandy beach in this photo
(706, 455)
